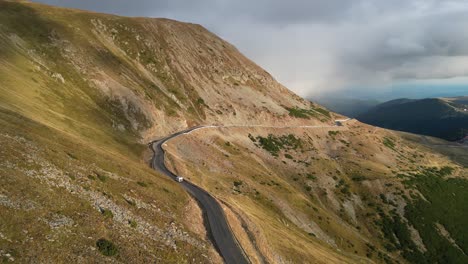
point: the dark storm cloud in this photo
(268, 11)
(316, 45)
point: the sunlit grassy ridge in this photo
(59, 195)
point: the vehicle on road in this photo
(222, 236)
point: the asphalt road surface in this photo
(219, 229)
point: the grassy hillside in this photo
(60, 195)
(331, 195)
(443, 118)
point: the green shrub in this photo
(307, 113)
(200, 101)
(358, 178)
(237, 183)
(71, 155)
(446, 170)
(106, 247)
(388, 142)
(101, 177)
(345, 190)
(288, 156)
(133, 223)
(107, 213)
(344, 142)
(142, 184)
(299, 112)
(274, 144)
(322, 111)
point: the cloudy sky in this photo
(331, 46)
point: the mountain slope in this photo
(364, 192)
(79, 94)
(82, 93)
(162, 74)
(445, 118)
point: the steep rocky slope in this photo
(136, 75)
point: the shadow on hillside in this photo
(24, 21)
(456, 152)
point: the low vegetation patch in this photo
(101, 177)
(445, 203)
(106, 247)
(322, 111)
(332, 133)
(311, 176)
(142, 184)
(133, 223)
(358, 178)
(346, 143)
(307, 113)
(200, 101)
(237, 183)
(300, 113)
(389, 143)
(343, 187)
(274, 144)
(107, 213)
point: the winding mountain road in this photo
(219, 229)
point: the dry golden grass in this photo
(54, 189)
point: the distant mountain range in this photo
(351, 107)
(445, 118)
